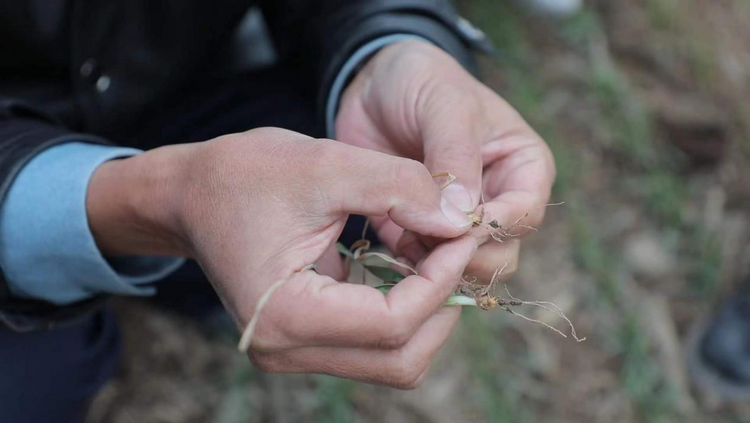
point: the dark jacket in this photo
(89, 70)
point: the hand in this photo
(413, 100)
(257, 207)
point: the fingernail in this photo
(459, 196)
(458, 218)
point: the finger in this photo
(403, 368)
(518, 179)
(413, 247)
(361, 181)
(490, 256)
(388, 232)
(313, 310)
(493, 256)
(514, 213)
(331, 265)
(518, 175)
(450, 122)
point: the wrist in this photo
(132, 206)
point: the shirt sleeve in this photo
(47, 251)
(349, 70)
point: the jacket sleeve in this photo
(319, 36)
(24, 133)
(52, 271)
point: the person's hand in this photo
(257, 207)
(413, 100)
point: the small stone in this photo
(647, 257)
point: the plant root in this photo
(486, 301)
(500, 233)
(469, 292)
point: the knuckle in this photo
(272, 133)
(531, 207)
(394, 336)
(513, 255)
(507, 273)
(406, 373)
(322, 151)
(511, 260)
(262, 362)
(512, 267)
(440, 272)
(412, 175)
(413, 383)
(513, 264)
(338, 158)
(271, 336)
(487, 268)
(536, 217)
(410, 170)
(261, 342)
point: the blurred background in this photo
(646, 105)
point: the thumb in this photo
(451, 139)
(375, 184)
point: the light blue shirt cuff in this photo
(363, 53)
(47, 251)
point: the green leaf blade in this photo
(453, 300)
(343, 250)
(386, 274)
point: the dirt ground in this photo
(645, 104)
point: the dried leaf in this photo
(388, 259)
(449, 178)
(343, 250)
